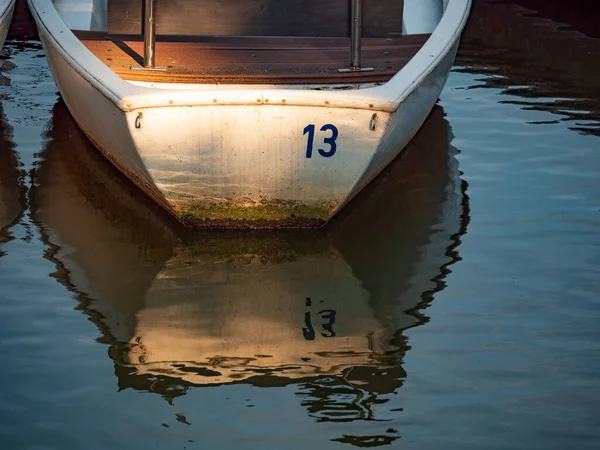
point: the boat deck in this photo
(253, 59)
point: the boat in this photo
(265, 308)
(260, 115)
(7, 8)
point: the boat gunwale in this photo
(129, 97)
(8, 5)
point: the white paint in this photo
(83, 14)
(6, 12)
(421, 16)
(229, 86)
(200, 145)
(211, 154)
(99, 20)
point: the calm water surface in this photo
(455, 304)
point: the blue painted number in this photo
(330, 140)
(310, 129)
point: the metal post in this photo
(356, 34)
(356, 39)
(149, 34)
(149, 30)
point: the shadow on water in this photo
(579, 15)
(23, 32)
(544, 54)
(320, 310)
(12, 193)
(22, 36)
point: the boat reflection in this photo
(323, 310)
(12, 198)
(550, 65)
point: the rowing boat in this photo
(204, 307)
(250, 114)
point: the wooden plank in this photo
(381, 18)
(250, 59)
(283, 42)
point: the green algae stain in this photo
(286, 215)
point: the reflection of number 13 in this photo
(327, 314)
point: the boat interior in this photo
(298, 42)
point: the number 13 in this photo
(310, 129)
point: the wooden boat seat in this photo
(253, 59)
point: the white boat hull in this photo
(7, 8)
(250, 157)
(226, 308)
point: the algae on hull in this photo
(274, 214)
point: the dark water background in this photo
(455, 304)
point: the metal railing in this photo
(149, 30)
(149, 34)
(356, 39)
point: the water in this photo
(453, 305)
